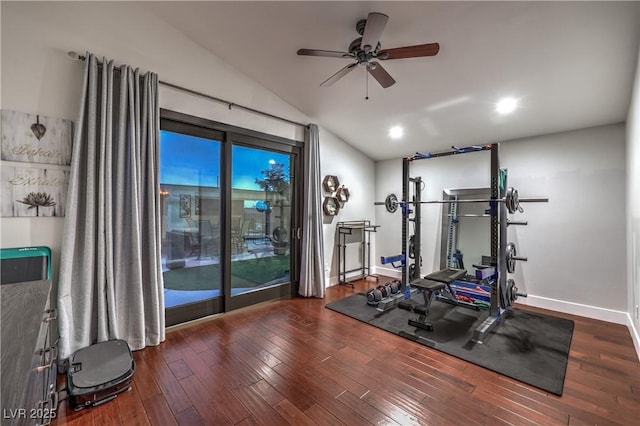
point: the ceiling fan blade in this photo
(373, 30)
(337, 76)
(429, 49)
(328, 53)
(381, 75)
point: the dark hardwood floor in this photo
(295, 362)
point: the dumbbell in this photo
(395, 286)
(385, 289)
(374, 296)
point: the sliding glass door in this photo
(229, 217)
(262, 223)
(190, 205)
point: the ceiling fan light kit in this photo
(367, 48)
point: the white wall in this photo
(357, 173)
(633, 211)
(575, 243)
(39, 77)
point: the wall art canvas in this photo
(33, 191)
(35, 138)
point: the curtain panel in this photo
(110, 284)
(312, 283)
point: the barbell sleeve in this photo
(534, 200)
(516, 222)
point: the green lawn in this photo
(245, 273)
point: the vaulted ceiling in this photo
(569, 65)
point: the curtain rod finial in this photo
(75, 55)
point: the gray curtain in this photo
(312, 265)
(110, 282)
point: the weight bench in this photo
(430, 284)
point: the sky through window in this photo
(194, 161)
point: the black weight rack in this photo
(353, 227)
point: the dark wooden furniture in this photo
(28, 354)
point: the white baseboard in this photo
(376, 270)
(595, 312)
(387, 272)
(331, 281)
(634, 335)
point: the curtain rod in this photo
(229, 104)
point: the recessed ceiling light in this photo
(396, 132)
(506, 105)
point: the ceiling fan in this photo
(365, 49)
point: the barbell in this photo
(511, 200)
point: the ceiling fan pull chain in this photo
(366, 98)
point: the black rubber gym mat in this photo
(528, 346)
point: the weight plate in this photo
(510, 254)
(280, 235)
(511, 200)
(412, 272)
(391, 203)
(512, 292)
(412, 247)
